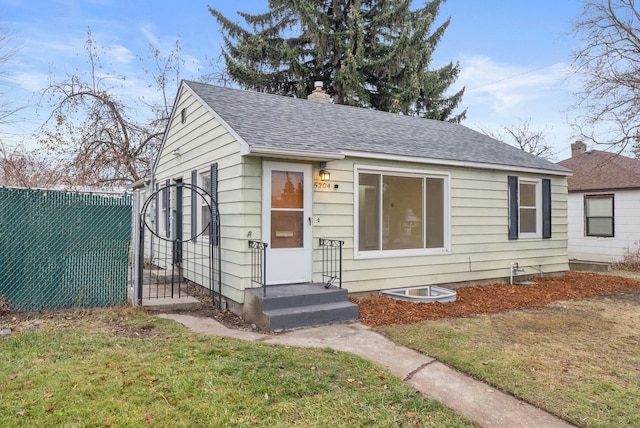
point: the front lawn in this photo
(122, 367)
(578, 359)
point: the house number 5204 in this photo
(322, 185)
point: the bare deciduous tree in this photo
(522, 136)
(219, 74)
(609, 61)
(20, 167)
(104, 135)
(7, 52)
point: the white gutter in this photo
(272, 152)
(449, 162)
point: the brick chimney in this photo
(578, 148)
(318, 95)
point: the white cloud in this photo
(31, 81)
(192, 66)
(506, 87)
(501, 94)
(150, 36)
(120, 54)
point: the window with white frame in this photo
(164, 219)
(598, 216)
(205, 210)
(529, 202)
(401, 210)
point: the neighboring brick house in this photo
(604, 204)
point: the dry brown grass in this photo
(630, 260)
(578, 359)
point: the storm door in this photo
(287, 221)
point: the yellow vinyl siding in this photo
(479, 245)
(478, 249)
(202, 140)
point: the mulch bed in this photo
(378, 310)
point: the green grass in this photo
(579, 360)
(125, 368)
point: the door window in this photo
(287, 209)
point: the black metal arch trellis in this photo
(175, 259)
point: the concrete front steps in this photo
(292, 306)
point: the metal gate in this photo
(179, 254)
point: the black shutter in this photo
(215, 220)
(546, 208)
(167, 208)
(157, 218)
(194, 204)
(513, 206)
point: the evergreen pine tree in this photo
(368, 53)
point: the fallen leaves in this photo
(377, 310)
(4, 306)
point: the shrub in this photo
(631, 258)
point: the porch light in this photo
(324, 174)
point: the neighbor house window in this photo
(529, 202)
(598, 215)
(401, 211)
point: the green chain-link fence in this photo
(63, 250)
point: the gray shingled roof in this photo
(285, 123)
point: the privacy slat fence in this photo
(63, 250)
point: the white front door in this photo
(286, 221)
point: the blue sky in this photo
(514, 54)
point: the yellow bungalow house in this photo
(398, 201)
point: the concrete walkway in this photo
(466, 396)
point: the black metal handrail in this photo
(259, 264)
(331, 261)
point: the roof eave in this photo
(141, 183)
(604, 189)
(457, 163)
(308, 155)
